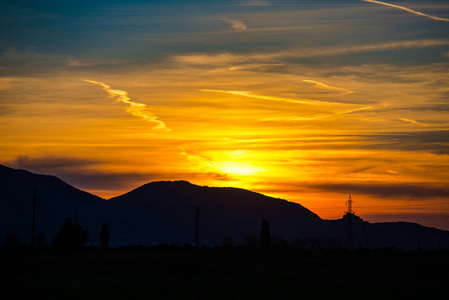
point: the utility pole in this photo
(34, 216)
(196, 226)
(197, 220)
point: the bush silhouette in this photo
(70, 237)
(278, 242)
(227, 242)
(250, 241)
(40, 240)
(12, 240)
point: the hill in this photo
(166, 212)
(56, 200)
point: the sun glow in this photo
(233, 100)
(238, 168)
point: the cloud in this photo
(433, 141)
(392, 172)
(236, 25)
(208, 168)
(198, 159)
(251, 95)
(408, 10)
(366, 48)
(321, 85)
(256, 3)
(253, 66)
(51, 163)
(386, 190)
(414, 122)
(135, 109)
(230, 58)
(81, 173)
(209, 59)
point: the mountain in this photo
(56, 200)
(400, 235)
(166, 212)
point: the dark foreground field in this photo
(176, 273)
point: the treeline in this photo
(72, 236)
(69, 238)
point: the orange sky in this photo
(336, 110)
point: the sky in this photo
(307, 101)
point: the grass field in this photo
(177, 273)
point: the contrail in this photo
(135, 109)
(409, 10)
(251, 95)
(414, 122)
(321, 85)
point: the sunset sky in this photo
(308, 101)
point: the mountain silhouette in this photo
(56, 200)
(166, 212)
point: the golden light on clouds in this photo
(272, 98)
(321, 85)
(298, 100)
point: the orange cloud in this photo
(321, 85)
(413, 122)
(251, 95)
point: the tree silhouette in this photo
(250, 241)
(12, 240)
(278, 242)
(265, 235)
(104, 236)
(40, 240)
(227, 242)
(70, 237)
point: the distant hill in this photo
(165, 212)
(56, 200)
(400, 235)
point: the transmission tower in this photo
(349, 215)
(349, 205)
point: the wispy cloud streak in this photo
(251, 95)
(256, 3)
(321, 85)
(135, 109)
(236, 25)
(229, 58)
(413, 122)
(408, 10)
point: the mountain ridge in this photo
(165, 212)
(181, 187)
